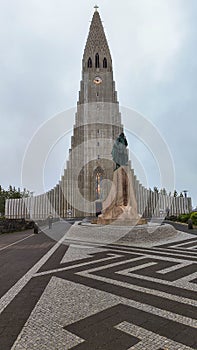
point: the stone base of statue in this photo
(120, 207)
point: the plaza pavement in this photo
(93, 287)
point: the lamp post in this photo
(31, 204)
(185, 194)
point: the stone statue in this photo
(119, 151)
(120, 206)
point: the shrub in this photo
(183, 217)
(172, 218)
(193, 216)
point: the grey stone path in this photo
(97, 288)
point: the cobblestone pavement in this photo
(95, 290)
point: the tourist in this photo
(50, 220)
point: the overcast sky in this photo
(154, 48)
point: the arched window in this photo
(105, 62)
(99, 177)
(97, 60)
(98, 185)
(89, 63)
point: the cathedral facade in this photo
(88, 174)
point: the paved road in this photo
(83, 291)
(18, 253)
(182, 227)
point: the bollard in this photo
(36, 228)
(190, 224)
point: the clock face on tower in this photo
(97, 80)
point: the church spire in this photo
(97, 53)
(97, 84)
(96, 8)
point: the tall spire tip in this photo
(96, 8)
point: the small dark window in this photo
(97, 60)
(89, 63)
(98, 156)
(105, 63)
(97, 143)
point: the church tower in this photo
(97, 125)
(88, 173)
(97, 83)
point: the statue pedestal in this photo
(117, 222)
(120, 207)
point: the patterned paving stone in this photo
(94, 294)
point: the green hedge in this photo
(183, 217)
(193, 216)
(172, 218)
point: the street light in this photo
(185, 194)
(31, 204)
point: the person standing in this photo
(50, 220)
